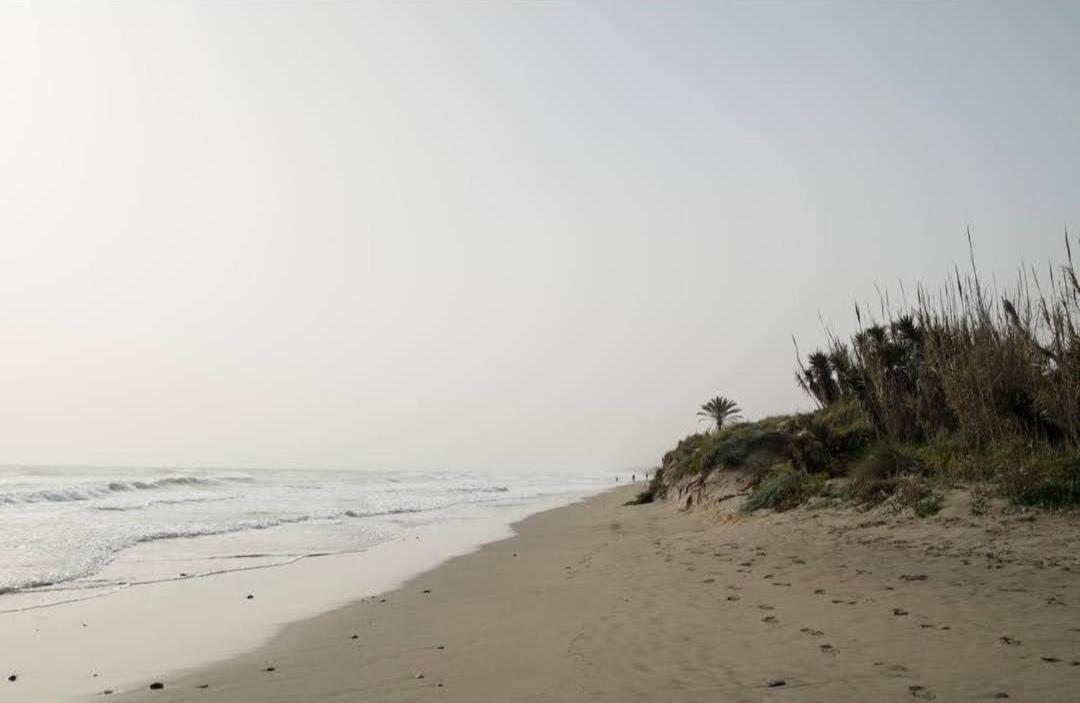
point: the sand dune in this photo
(600, 602)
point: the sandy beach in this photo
(600, 601)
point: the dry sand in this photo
(600, 602)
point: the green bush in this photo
(782, 488)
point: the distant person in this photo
(633, 477)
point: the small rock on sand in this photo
(776, 683)
(270, 668)
(107, 692)
(12, 678)
(419, 676)
(157, 686)
(249, 596)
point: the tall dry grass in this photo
(990, 367)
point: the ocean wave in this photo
(482, 489)
(103, 489)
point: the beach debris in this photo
(426, 590)
(157, 686)
(515, 554)
(1009, 641)
(355, 637)
(440, 646)
(203, 685)
(913, 577)
(107, 692)
(777, 683)
(899, 611)
(1001, 694)
(769, 619)
(419, 676)
(250, 596)
(13, 678)
(270, 668)
(1051, 660)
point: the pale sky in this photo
(489, 236)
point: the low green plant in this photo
(928, 505)
(783, 488)
(876, 476)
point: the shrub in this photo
(783, 488)
(875, 477)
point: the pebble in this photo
(250, 597)
(107, 692)
(776, 683)
(12, 678)
(157, 686)
(270, 668)
(419, 676)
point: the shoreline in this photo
(597, 601)
(76, 649)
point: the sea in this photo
(78, 532)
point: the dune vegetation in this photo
(966, 386)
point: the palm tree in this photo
(720, 410)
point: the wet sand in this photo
(598, 601)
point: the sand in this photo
(601, 602)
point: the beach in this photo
(601, 601)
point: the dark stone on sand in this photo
(203, 685)
(13, 678)
(1001, 694)
(899, 611)
(157, 686)
(776, 683)
(1051, 660)
(515, 554)
(249, 596)
(355, 637)
(439, 646)
(107, 692)
(419, 676)
(427, 590)
(270, 668)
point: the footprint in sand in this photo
(770, 619)
(828, 649)
(812, 632)
(921, 693)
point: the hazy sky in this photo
(488, 235)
